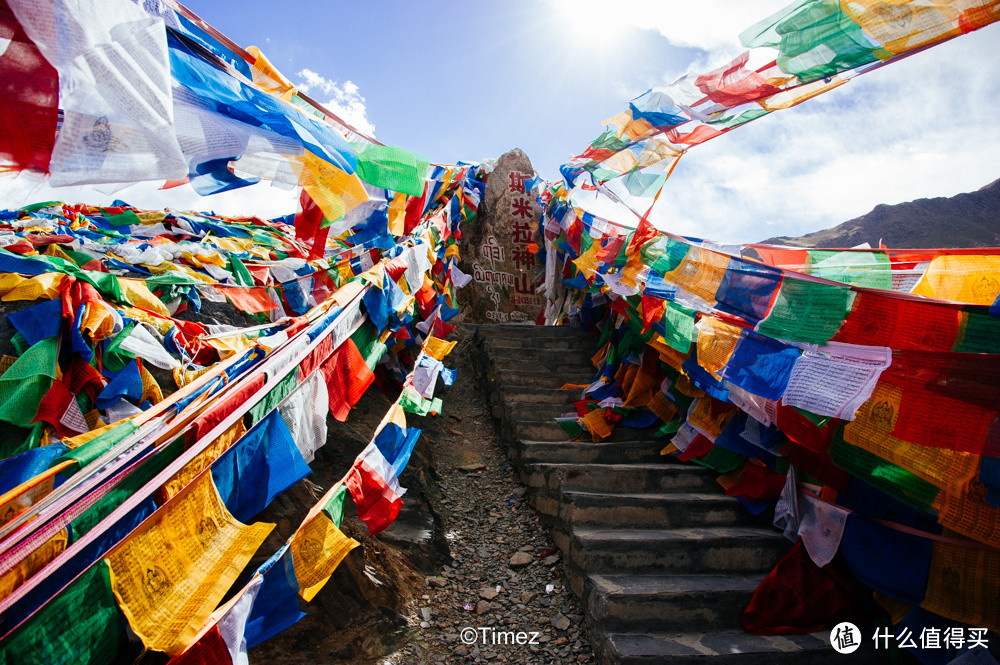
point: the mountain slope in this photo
(964, 220)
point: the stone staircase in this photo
(662, 560)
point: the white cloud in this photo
(918, 128)
(709, 25)
(345, 100)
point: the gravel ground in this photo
(504, 598)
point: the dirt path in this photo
(503, 598)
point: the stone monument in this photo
(499, 249)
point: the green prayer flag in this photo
(81, 625)
(370, 348)
(804, 311)
(99, 445)
(679, 324)
(271, 400)
(240, 272)
(391, 167)
(979, 333)
(25, 383)
(882, 474)
(664, 254)
(721, 460)
(115, 358)
(38, 360)
(334, 508)
(868, 269)
(413, 402)
(126, 218)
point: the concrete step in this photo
(733, 647)
(653, 602)
(723, 549)
(588, 452)
(667, 476)
(665, 510)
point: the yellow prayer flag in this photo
(318, 547)
(15, 287)
(34, 562)
(967, 279)
(962, 583)
(716, 343)
(396, 415)
(333, 190)
(397, 214)
(140, 296)
(438, 348)
(904, 25)
(171, 572)
(597, 425)
(662, 406)
(701, 416)
(203, 460)
(267, 77)
(700, 272)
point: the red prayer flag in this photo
(799, 597)
(699, 446)
(414, 208)
(29, 98)
(309, 228)
(250, 299)
(757, 483)
(347, 378)
(377, 503)
(645, 231)
(211, 649)
(652, 311)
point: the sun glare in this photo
(590, 21)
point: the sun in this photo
(591, 22)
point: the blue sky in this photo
(470, 80)
(457, 80)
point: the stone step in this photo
(654, 602)
(563, 358)
(548, 430)
(666, 476)
(666, 510)
(723, 549)
(502, 365)
(541, 412)
(519, 331)
(528, 380)
(580, 344)
(732, 647)
(588, 452)
(518, 397)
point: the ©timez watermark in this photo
(489, 635)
